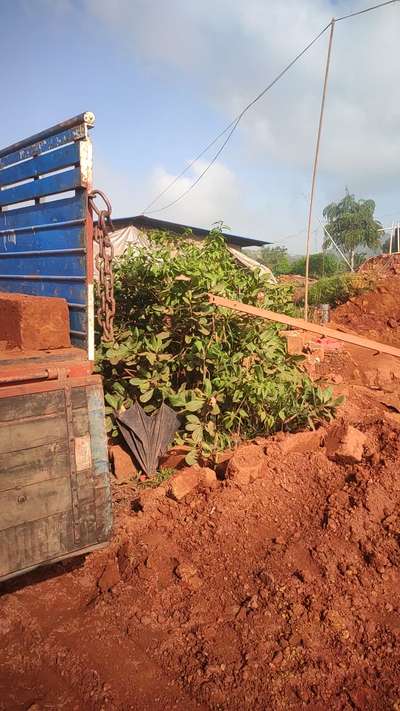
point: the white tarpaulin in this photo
(132, 237)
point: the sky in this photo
(164, 77)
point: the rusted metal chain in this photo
(104, 259)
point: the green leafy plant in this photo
(340, 288)
(163, 474)
(227, 375)
(321, 264)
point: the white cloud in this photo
(231, 50)
(214, 198)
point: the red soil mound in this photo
(279, 590)
(384, 264)
(375, 314)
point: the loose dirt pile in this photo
(383, 264)
(276, 588)
(375, 313)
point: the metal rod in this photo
(315, 167)
(391, 238)
(87, 118)
(335, 245)
(44, 375)
(398, 236)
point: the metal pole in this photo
(398, 236)
(335, 245)
(314, 174)
(391, 238)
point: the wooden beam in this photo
(304, 325)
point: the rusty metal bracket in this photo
(47, 374)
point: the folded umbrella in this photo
(148, 436)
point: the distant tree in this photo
(351, 224)
(276, 258)
(321, 264)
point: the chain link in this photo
(104, 258)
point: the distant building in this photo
(133, 231)
(148, 224)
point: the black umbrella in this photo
(148, 436)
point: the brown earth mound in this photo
(375, 314)
(278, 589)
(383, 264)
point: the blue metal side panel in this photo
(48, 213)
(47, 144)
(61, 265)
(42, 240)
(58, 183)
(73, 291)
(55, 160)
(43, 247)
(42, 228)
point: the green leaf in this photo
(191, 427)
(191, 457)
(194, 405)
(147, 395)
(197, 435)
(177, 400)
(207, 387)
(112, 400)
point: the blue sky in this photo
(164, 77)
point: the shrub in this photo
(227, 374)
(340, 288)
(321, 264)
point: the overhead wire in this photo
(367, 9)
(231, 127)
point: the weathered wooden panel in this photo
(85, 488)
(35, 501)
(32, 405)
(30, 466)
(33, 432)
(38, 521)
(37, 404)
(78, 398)
(80, 422)
(31, 543)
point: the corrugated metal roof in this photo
(143, 222)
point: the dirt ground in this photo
(277, 587)
(375, 314)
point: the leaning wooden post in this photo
(315, 167)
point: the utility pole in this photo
(315, 167)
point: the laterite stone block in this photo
(34, 322)
(295, 340)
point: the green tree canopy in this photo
(276, 258)
(351, 224)
(321, 264)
